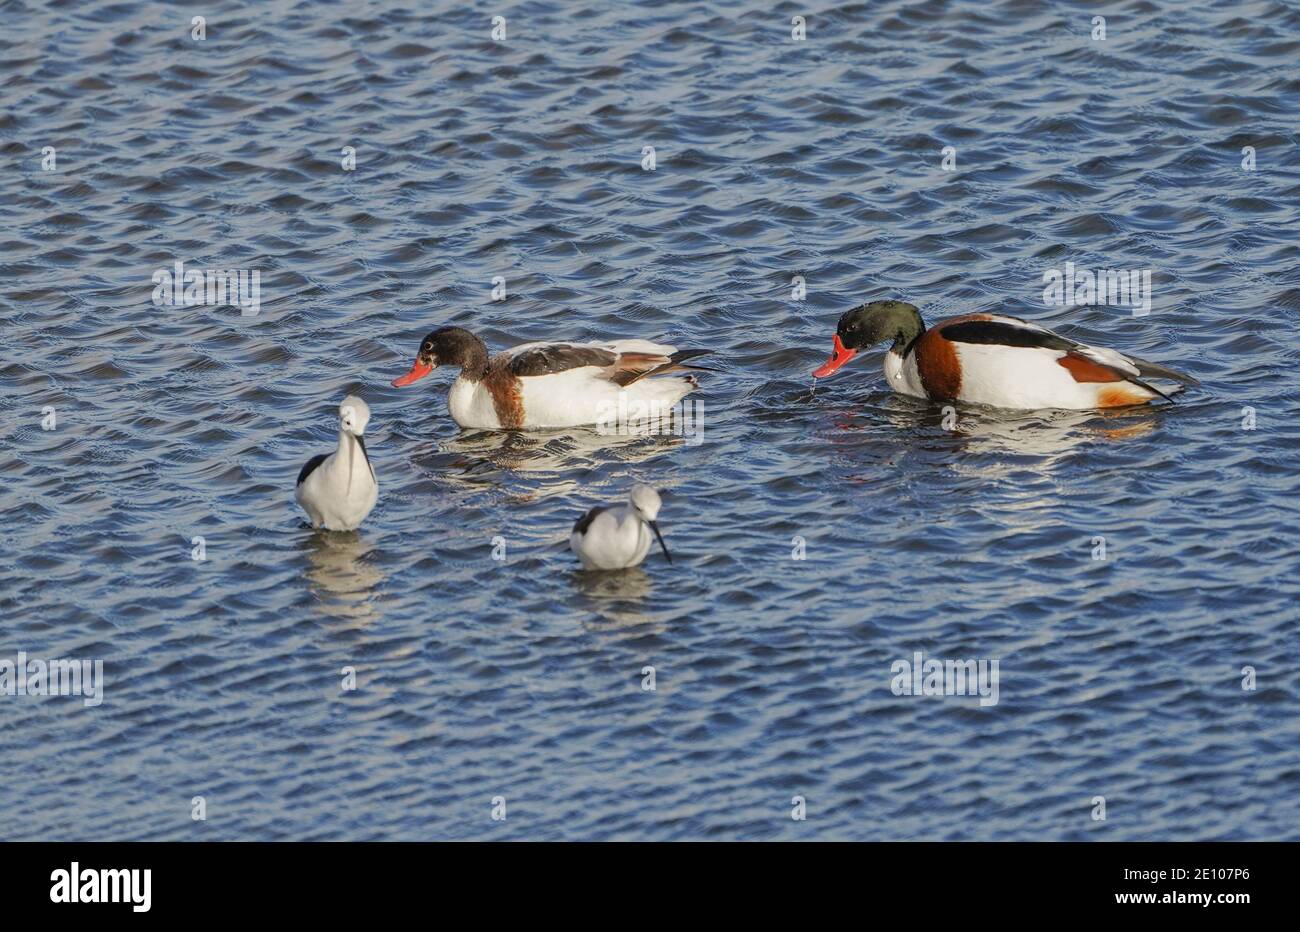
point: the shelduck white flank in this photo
(550, 385)
(609, 538)
(339, 490)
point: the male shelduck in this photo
(607, 538)
(338, 490)
(543, 385)
(994, 360)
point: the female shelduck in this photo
(608, 538)
(338, 490)
(994, 360)
(541, 385)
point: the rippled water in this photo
(521, 678)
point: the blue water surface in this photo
(518, 679)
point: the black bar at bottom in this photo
(332, 881)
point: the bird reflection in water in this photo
(340, 578)
(613, 597)
(539, 451)
(987, 429)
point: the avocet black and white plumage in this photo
(616, 538)
(339, 489)
(994, 359)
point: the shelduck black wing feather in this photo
(551, 358)
(681, 357)
(1002, 333)
(1153, 370)
(580, 526)
(311, 466)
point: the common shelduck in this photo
(616, 538)
(994, 360)
(339, 489)
(542, 385)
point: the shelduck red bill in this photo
(418, 371)
(839, 357)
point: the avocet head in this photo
(646, 501)
(354, 415)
